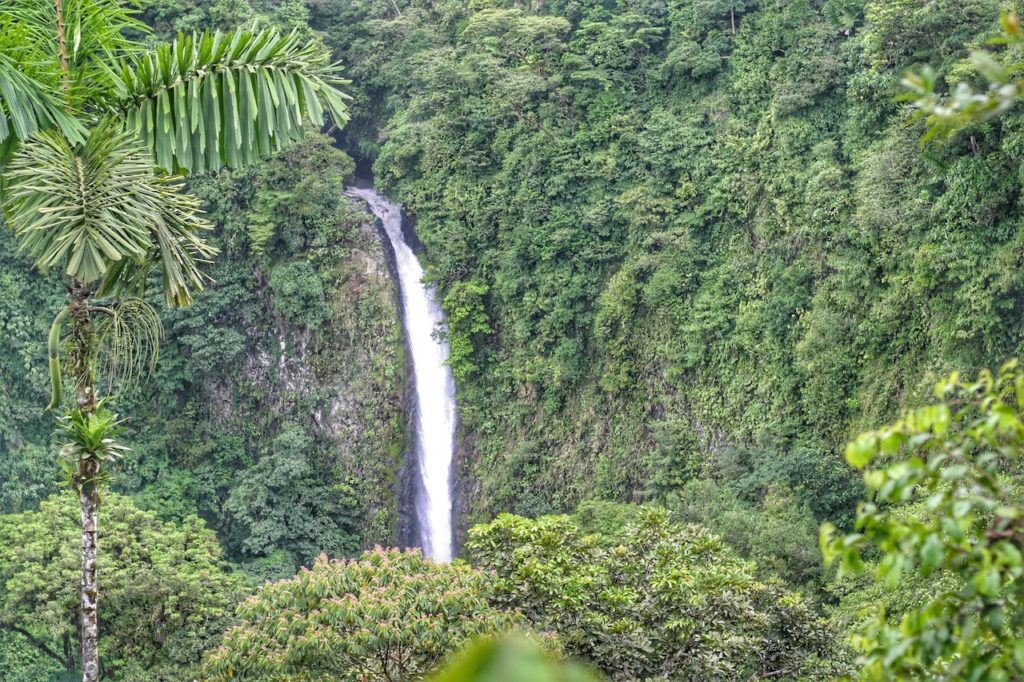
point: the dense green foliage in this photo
(651, 600)
(959, 458)
(390, 615)
(777, 533)
(686, 248)
(27, 471)
(662, 236)
(766, 506)
(167, 592)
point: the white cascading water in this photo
(434, 385)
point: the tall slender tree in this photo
(95, 134)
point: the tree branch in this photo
(38, 643)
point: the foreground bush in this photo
(511, 659)
(654, 600)
(944, 530)
(391, 615)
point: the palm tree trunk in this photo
(62, 51)
(90, 620)
(81, 368)
(86, 478)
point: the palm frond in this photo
(95, 34)
(176, 247)
(76, 207)
(128, 342)
(28, 106)
(21, 43)
(98, 211)
(216, 99)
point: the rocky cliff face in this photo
(343, 382)
(286, 381)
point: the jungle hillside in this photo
(732, 292)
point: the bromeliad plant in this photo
(90, 436)
(93, 130)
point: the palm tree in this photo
(95, 134)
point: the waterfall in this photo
(434, 385)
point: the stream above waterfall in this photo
(434, 386)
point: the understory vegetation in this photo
(730, 289)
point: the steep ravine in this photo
(286, 382)
(433, 416)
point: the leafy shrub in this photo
(655, 600)
(284, 507)
(391, 615)
(166, 596)
(299, 294)
(510, 660)
(778, 533)
(817, 478)
(958, 463)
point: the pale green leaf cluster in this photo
(511, 659)
(945, 115)
(391, 615)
